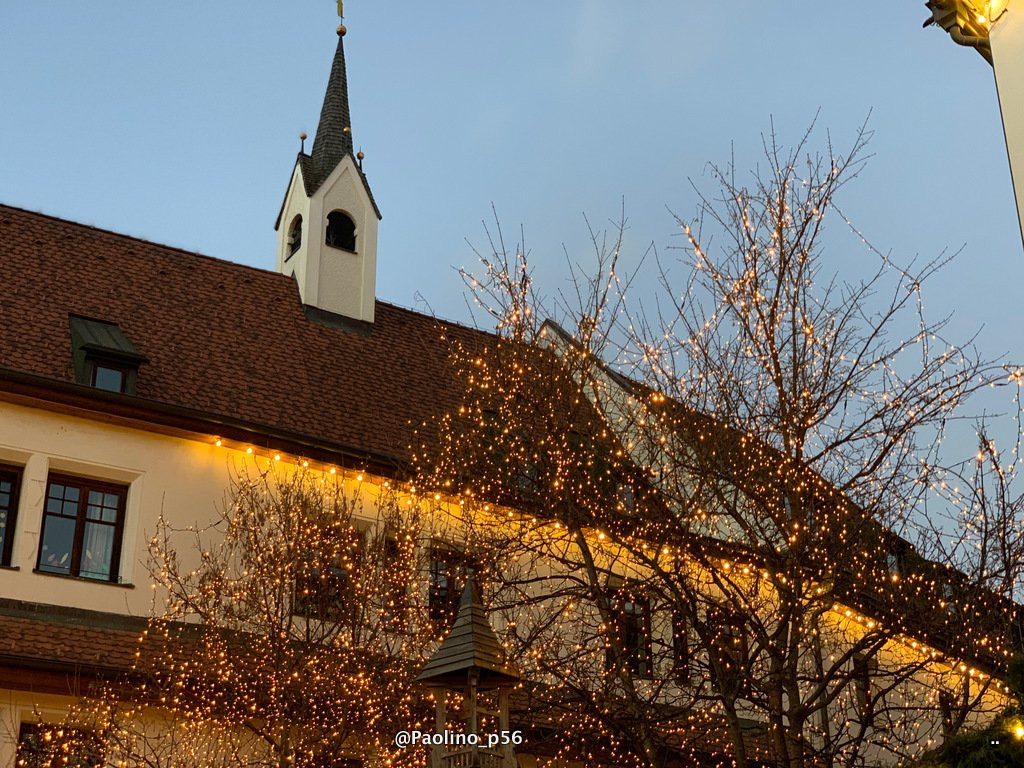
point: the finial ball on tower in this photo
(341, 30)
(360, 155)
(303, 136)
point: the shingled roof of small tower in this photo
(334, 131)
(333, 138)
(470, 645)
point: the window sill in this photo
(10, 567)
(342, 249)
(83, 579)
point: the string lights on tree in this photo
(715, 552)
(704, 526)
(287, 632)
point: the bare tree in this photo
(975, 525)
(288, 633)
(715, 485)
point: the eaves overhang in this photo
(131, 411)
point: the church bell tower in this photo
(327, 227)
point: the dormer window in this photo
(948, 599)
(895, 560)
(341, 231)
(294, 236)
(108, 376)
(103, 356)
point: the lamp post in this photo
(995, 28)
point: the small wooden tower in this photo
(471, 660)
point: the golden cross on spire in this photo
(341, 12)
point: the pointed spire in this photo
(334, 132)
(471, 646)
(333, 140)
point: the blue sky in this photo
(178, 122)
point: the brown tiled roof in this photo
(49, 649)
(227, 341)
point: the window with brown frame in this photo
(109, 376)
(324, 587)
(447, 579)
(865, 669)
(948, 601)
(731, 648)
(625, 497)
(953, 703)
(894, 561)
(734, 640)
(635, 621)
(631, 610)
(680, 647)
(10, 478)
(83, 522)
(395, 587)
(41, 745)
(103, 356)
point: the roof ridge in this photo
(447, 321)
(437, 318)
(137, 239)
(200, 254)
(73, 615)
